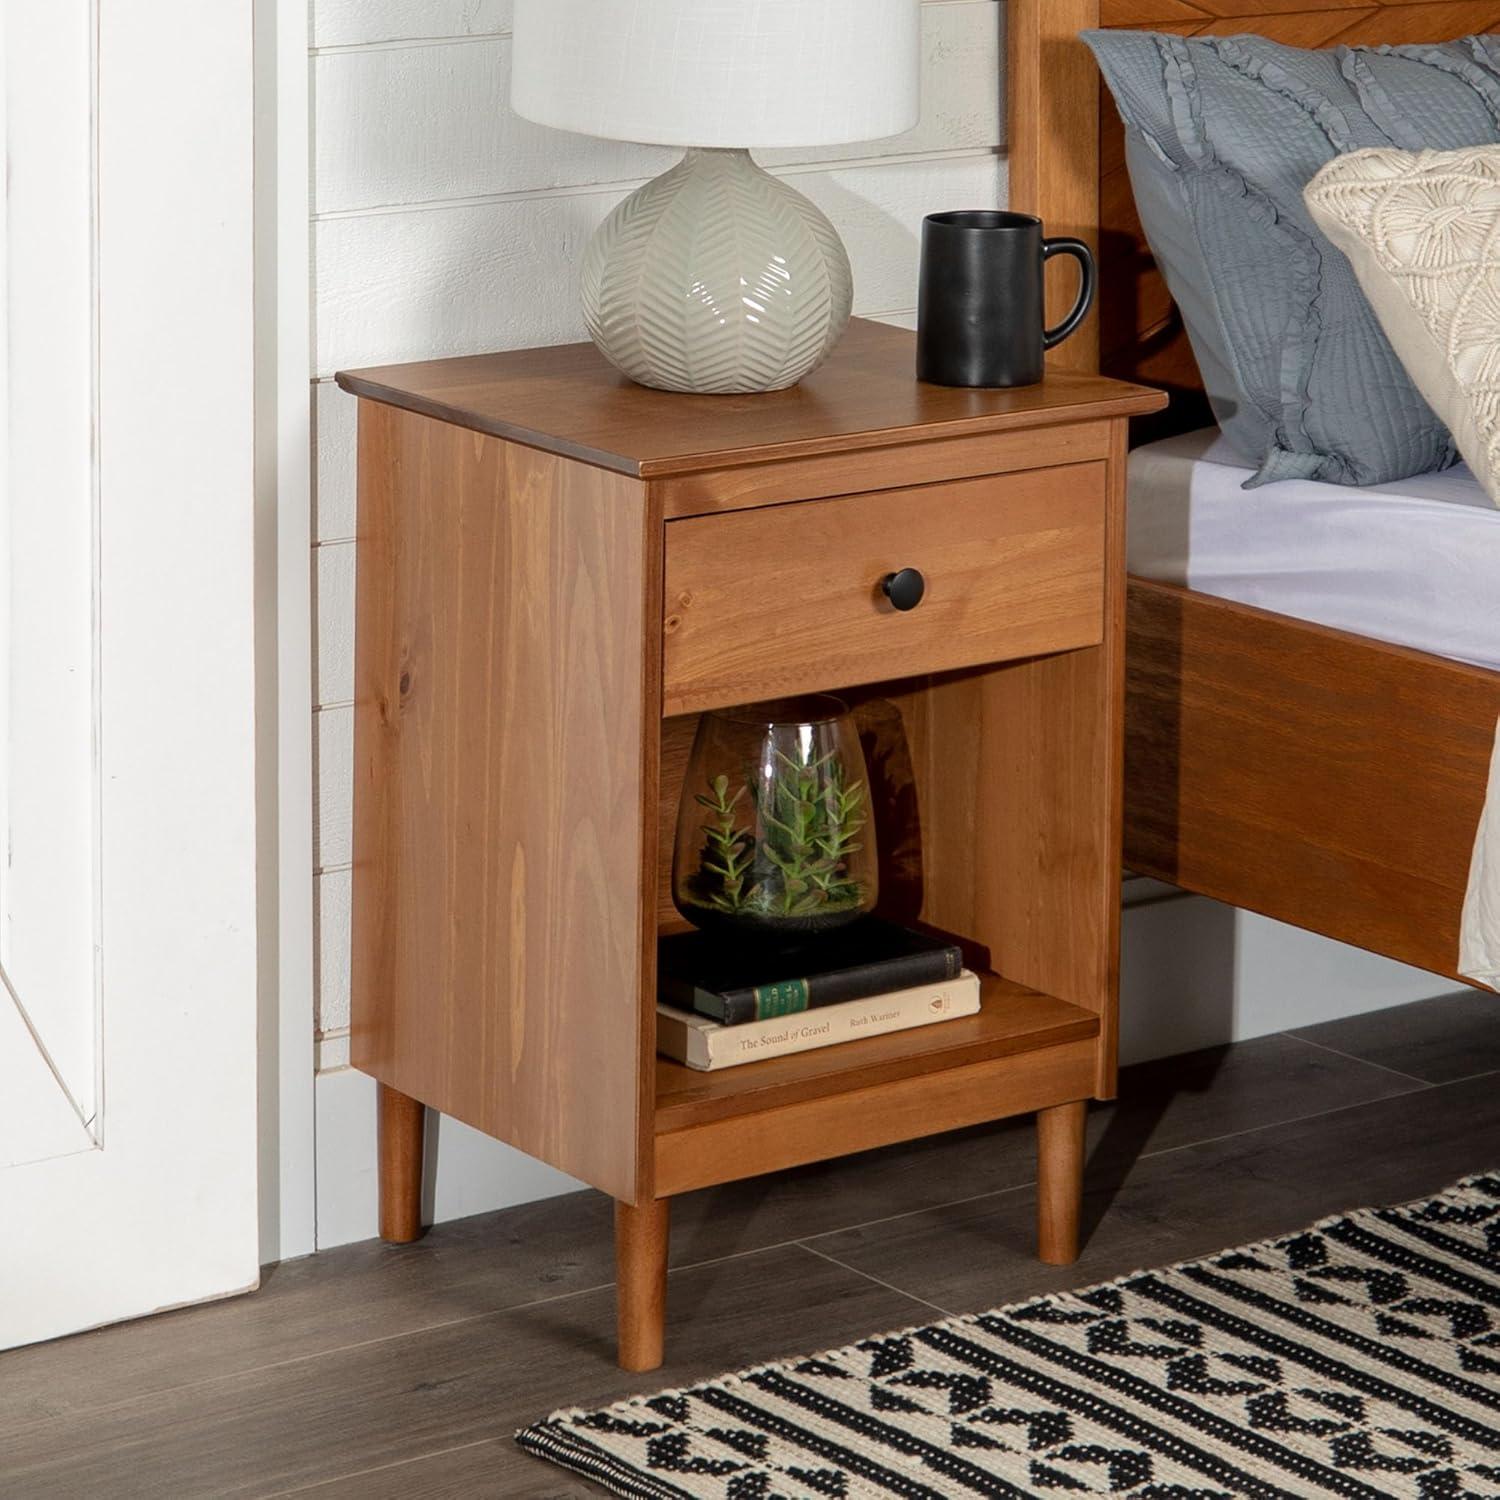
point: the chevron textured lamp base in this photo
(718, 278)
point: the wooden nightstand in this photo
(558, 571)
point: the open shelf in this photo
(1011, 1020)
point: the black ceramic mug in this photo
(981, 302)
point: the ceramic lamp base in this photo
(717, 277)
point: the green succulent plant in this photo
(792, 858)
(728, 850)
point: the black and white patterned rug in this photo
(1357, 1358)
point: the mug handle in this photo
(1088, 281)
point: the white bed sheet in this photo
(1416, 562)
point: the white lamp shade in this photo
(719, 72)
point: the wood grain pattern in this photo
(641, 1242)
(400, 1128)
(1013, 1020)
(1072, 169)
(520, 740)
(1059, 1181)
(1054, 105)
(1327, 780)
(1030, 754)
(1431, 18)
(1321, 778)
(998, 798)
(880, 468)
(569, 400)
(746, 1145)
(1011, 776)
(784, 600)
(502, 832)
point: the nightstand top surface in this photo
(570, 400)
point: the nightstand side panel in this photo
(1018, 773)
(506, 730)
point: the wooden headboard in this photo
(1067, 150)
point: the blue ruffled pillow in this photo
(1222, 135)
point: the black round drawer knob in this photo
(904, 589)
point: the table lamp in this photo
(717, 276)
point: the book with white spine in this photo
(707, 1045)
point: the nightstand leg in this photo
(399, 1147)
(641, 1273)
(1059, 1180)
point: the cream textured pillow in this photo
(1422, 231)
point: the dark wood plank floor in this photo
(374, 1371)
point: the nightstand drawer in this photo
(788, 598)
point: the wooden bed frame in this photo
(1322, 778)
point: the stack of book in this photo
(719, 1008)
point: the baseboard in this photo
(467, 1173)
(1194, 974)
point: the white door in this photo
(127, 793)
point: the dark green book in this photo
(700, 972)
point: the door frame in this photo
(285, 627)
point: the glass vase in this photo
(775, 840)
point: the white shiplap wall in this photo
(442, 224)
